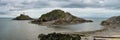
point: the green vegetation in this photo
(59, 17)
(56, 14)
(59, 36)
(22, 17)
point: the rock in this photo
(57, 17)
(23, 17)
(89, 21)
(111, 21)
(59, 36)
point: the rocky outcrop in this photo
(57, 17)
(59, 36)
(111, 21)
(23, 17)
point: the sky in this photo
(79, 8)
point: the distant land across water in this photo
(79, 12)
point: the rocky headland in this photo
(23, 17)
(59, 36)
(59, 17)
(112, 21)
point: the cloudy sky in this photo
(80, 8)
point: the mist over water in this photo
(24, 30)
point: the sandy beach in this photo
(108, 31)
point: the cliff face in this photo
(23, 17)
(59, 17)
(111, 21)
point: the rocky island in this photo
(112, 21)
(59, 17)
(59, 36)
(23, 17)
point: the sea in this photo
(25, 30)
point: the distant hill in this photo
(23, 17)
(111, 21)
(58, 17)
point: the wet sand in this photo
(107, 31)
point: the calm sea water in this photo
(23, 30)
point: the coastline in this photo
(83, 35)
(111, 30)
(89, 33)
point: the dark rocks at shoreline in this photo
(71, 21)
(57, 16)
(111, 21)
(23, 17)
(59, 36)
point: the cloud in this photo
(3, 13)
(9, 6)
(28, 4)
(79, 12)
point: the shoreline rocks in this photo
(23, 17)
(59, 36)
(111, 21)
(59, 17)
